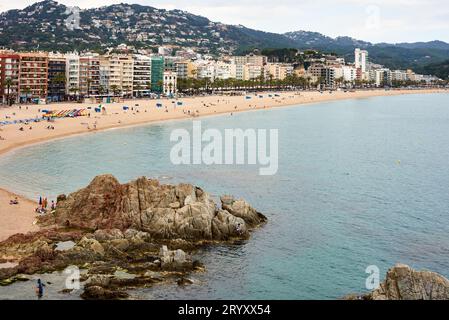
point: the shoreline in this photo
(119, 119)
(373, 93)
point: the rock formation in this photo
(164, 211)
(127, 235)
(404, 283)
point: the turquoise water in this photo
(360, 182)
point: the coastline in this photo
(16, 218)
(117, 118)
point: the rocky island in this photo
(143, 229)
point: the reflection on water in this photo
(360, 182)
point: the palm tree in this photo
(115, 90)
(74, 90)
(27, 92)
(138, 89)
(89, 82)
(159, 85)
(59, 79)
(101, 90)
(8, 83)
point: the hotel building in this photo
(170, 81)
(9, 77)
(89, 75)
(142, 75)
(56, 77)
(33, 79)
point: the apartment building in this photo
(361, 64)
(186, 69)
(157, 74)
(72, 74)
(33, 79)
(142, 75)
(121, 68)
(253, 59)
(223, 70)
(170, 83)
(280, 71)
(380, 77)
(9, 77)
(104, 75)
(56, 77)
(349, 73)
(89, 75)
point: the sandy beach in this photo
(19, 218)
(16, 218)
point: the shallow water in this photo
(360, 182)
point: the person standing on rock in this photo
(40, 289)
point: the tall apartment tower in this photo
(9, 77)
(56, 77)
(361, 59)
(33, 83)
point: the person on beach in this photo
(53, 205)
(39, 289)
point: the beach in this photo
(19, 218)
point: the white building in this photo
(280, 71)
(361, 59)
(399, 75)
(170, 83)
(381, 77)
(141, 75)
(206, 69)
(349, 73)
(223, 70)
(237, 71)
(165, 51)
(72, 73)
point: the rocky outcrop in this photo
(127, 235)
(163, 211)
(240, 208)
(174, 259)
(404, 283)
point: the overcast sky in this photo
(370, 20)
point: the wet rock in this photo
(198, 266)
(108, 234)
(404, 283)
(91, 244)
(99, 280)
(240, 208)
(100, 293)
(174, 259)
(120, 244)
(9, 281)
(184, 281)
(66, 291)
(65, 245)
(153, 275)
